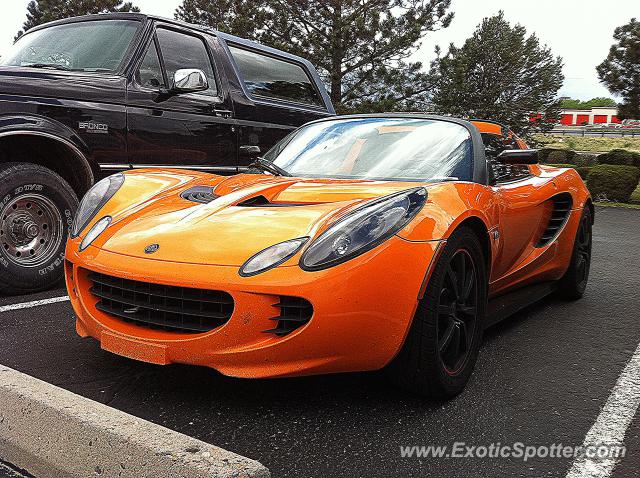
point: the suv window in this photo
(179, 50)
(93, 46)
(150, 72)
(273, 78)
(502, 173)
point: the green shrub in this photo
(613, 182)
(557, 156)
(620, 157)
(635, 196)
(586, 159)
(584, 171)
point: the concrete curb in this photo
(51, 432)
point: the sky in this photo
(580, 31)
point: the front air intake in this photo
(294, 313)
(158, 306)
(562, 204)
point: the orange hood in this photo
(227, 230)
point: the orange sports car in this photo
(356, 243)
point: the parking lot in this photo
(542, 379)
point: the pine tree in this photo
(502, 74)
(585, 105)
(620, 71)
(360, 47)
(238, 17)
(43, 11)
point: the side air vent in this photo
(199, 194)
(294, 313)
(562, 204)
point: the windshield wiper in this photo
(53, 66)
(268, 166)
(97, 70)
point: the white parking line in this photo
(33, 303)
(612, 423)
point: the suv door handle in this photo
(222, 113)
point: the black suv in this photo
(86, 96)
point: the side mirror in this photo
(519, 156)
(251, 152)
(189, 80)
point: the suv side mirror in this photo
(518, 156)
(249, 151)
(189, 80)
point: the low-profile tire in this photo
(574, 282)
(450, 313)
(36, 212)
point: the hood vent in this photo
(255, 201)
(262, 201)
(199, 194)
(562, 204)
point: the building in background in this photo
(593, 116)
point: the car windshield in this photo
(392, 149)
(93, 46)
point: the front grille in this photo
(294, 313)
(156, 306)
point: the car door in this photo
(190, 130)
(519, 215)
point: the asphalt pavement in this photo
(541, 379)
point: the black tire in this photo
(36, 212)
(574, 282)
(421, 366)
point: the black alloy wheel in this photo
(441, 348)
(583, 245)
(458, 311)
(574, 282)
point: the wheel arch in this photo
(479, 227)
(592, 209)
(51, 151)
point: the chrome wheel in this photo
(30, 230)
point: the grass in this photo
(592, 144)
(617, 204)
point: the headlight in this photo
(271, 257)
(97, 229)
(363, 229)
(93, 201)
